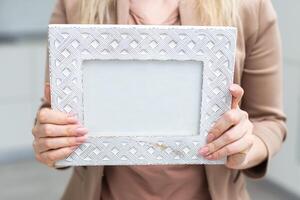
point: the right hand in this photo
(56, 136)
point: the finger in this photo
(35, 147)
(49, 116)
(229, 119)
(39, 158)
(50, 130)
(35, 131)
(228, 137)
(237, 93)
(242, 145)
(238, 160)
(47, 92)
(50, 157)
(46, 144)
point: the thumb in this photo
(237, 93)
(47, 95)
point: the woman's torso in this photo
(155, 182)
(257, 33)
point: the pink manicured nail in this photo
(204, 151)
(72, 119)
(81, 131)
(210, 138)
(81, 139)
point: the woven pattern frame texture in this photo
(69, 45)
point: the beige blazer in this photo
(257, 70)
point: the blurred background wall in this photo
(23, 39)
(285, 168)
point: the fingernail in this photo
(81, 131)
(81, 139)
(210, 138)
(210, 157)
(204, 151)
(72, 118)
(71, 115)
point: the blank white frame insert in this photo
(142, 98)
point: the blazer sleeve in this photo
(262, 82)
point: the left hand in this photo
(232, 135)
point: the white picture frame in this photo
(71, 45)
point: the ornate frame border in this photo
(69, 45)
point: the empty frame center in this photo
(142, 97)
